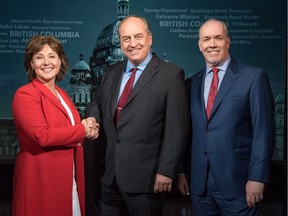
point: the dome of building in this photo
(80, 85)
(81, 65)
(107, 50)
(80, 72)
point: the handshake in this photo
(91, 128)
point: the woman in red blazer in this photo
(49, 169)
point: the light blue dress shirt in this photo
(127, 73)
(209, 77)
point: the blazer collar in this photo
(198, 87)
(146, 76)
(50, 96)
(117, 78)
(45, 90)
(231, 75)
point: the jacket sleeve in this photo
(31, 117)
(176, 127)
(262, 113)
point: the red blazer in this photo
(49, 144)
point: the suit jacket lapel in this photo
(116, 86)
(198, 90)
(146, 76)
(227, 82)
(49, 95)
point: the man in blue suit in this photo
(232, 147)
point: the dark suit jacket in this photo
(237, 142)
(152, 128)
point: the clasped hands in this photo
(91, 128)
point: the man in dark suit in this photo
(232, 146)
(145, 141)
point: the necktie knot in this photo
(134, 70)
(215, 70)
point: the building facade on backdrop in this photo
(87, 78)
(80, 85)
(107, 50)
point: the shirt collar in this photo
(141, 66)
(222, 67)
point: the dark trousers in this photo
(212, 203)
(115, 202)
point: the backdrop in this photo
(257, 28)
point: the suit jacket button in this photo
(208, 131)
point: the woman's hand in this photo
(91, 128)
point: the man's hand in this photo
(254, 193)
(182, 185)
(91, 128)
(162, 184)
